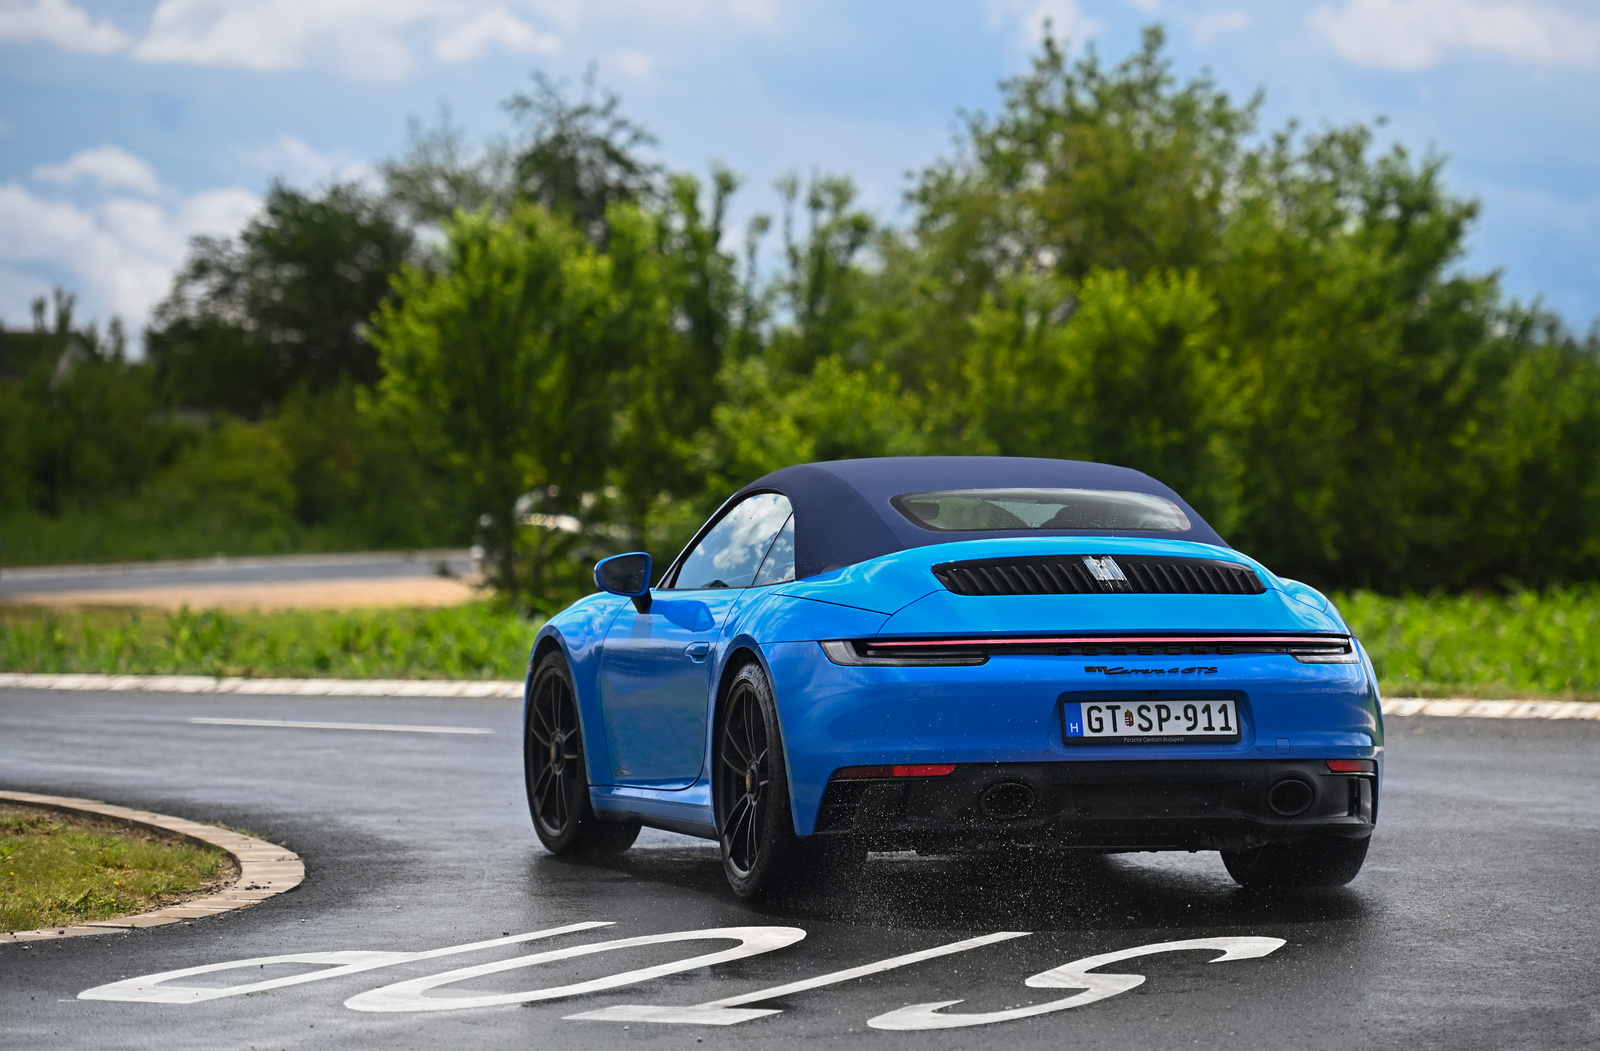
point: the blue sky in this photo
(128, 127)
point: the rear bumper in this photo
(1107, 805)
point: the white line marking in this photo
(413, 995)
(293, 724)
(721, 1012)
(265, 687)
(1074, 975)
(159, 988)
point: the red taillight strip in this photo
(1107, 640)
(1352, 766)
(851, 773)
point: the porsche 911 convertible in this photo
(948, 654)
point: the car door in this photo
(655, 666)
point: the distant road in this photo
(429, 578)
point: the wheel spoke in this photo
(733, 744)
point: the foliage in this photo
(475, 641)
(57, 870)
(1115, 265)
(77, 420)
(1525, 644)
(285, 305)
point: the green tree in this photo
(497, 363)
(285, 304)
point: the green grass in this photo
(1531, 644)
(1526, 645)
(57, 869)
(474, 641)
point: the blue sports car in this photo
(954, 654)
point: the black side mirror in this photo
(627, 575)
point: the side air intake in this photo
(1098, 575)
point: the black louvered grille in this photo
(1071, 575)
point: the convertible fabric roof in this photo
(843, 515)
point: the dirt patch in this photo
(318, 594)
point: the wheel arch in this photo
(742, 652)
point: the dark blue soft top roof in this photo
(843, 516)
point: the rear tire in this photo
(1324, 862)
(553, 767)
(760, 851)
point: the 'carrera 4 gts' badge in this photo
(1102, 669)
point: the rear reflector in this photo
(1352, 766)
(917, 770)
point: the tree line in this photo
(553, 345)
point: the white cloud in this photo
(1213, 24)
(496, 26)
(58, 22)
(111, 168)
(120, 252)
(635, 64)
(1416, 34)
(296, 160)
(361, 37)
(379, 39)
(1064, 17)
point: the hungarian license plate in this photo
(1151, 722)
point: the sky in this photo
(128, 127)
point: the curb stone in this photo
(265, 869)
(509, 688)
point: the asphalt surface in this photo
(278, 569)
(1476, 923)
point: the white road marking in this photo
(721, 1012)
(508, 688)
(159, 988)
(412, 995)
(1074, 975)
(294, 724)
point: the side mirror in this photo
(627, 575)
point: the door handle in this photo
(697, 651)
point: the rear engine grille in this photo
(1098, 575)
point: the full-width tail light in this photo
(856, 773)
(1308, 649)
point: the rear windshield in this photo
(970, 510)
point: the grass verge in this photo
(1525, 645)
(474, 641)
(1532, 644)
(59, 869)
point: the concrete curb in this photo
(267, 687)
(265, 869)
(1471, 709)
(1460, 707)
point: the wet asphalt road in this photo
(1476, 923)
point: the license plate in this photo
(1151, 722)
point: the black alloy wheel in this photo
(750, 787)
(744, 778)
(558, 785)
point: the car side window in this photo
(779, 566)
(730, 554)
